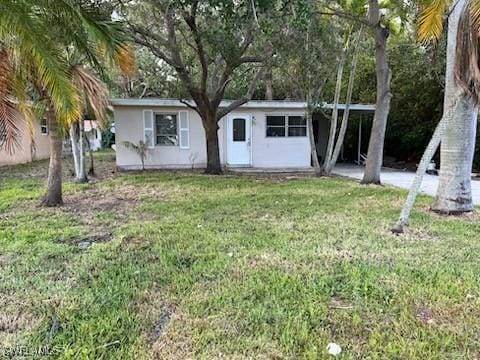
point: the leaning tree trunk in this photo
(53, 196)
(432, 147)
(454, 193)
(383, 74)
(214, 166)
(313, 146)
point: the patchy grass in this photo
(182, 265)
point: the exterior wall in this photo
(275, 152)
(287, 152)
(23, 154)
(129, 127)
(42, 144)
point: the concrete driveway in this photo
(402, 179)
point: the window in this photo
(166, 129)
(275, 126)
(43, 126)
(239, 129)
(297, 126)
(282, 126)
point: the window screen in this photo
(166, 129)
(275, 126)
(297, 126)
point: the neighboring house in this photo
(34, 144)
(93, 134)
(259, 134)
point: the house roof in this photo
(252, 104)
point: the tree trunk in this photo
(313, 146)
(334, 120)
(269, 84)
(53, 196)
(422, 168)
(346, 113)
(75, 152)
(82, 174)
(214, 166)
(383, 74)
(454, 193)
(91, 170)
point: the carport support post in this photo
(359, 152)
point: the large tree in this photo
(206, 42)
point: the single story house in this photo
(258, 134)
(34, 144)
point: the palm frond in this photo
(9, 119)
(125, 60)
(22, 32)
(475, 13)
(94, 93)
(431, 21)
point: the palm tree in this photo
(40, 62)
(456, 130)
(458, 141)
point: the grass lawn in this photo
(172, 265)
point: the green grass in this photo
(194, 266)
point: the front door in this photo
(239, 145)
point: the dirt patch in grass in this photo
(425, 315)
(413, 233)
(101, 209)
(93, 200)
(166, 331)
(176, 341)
(14, 318)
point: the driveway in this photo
(402, 179)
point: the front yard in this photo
(174, 265)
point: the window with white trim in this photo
(44, 126)
(286, 126)
(166, 129)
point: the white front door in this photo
(239, 144)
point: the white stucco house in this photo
(259, 134)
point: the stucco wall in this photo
(129, 127)
(266, 152)
(23, 153)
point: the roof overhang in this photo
(252, 104)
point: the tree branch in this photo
(247, 97)
(345, 15)
(190, 20)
